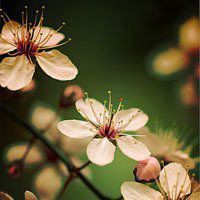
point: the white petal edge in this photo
(175, 174)
(8, 31)
(5, 196)
(5, 47)
(133, 148)
(76, 129)
(101, 151)
(16, 72)
(133, 118)
(57, 65)
(29, 196)
(137, 191)
(92, 109)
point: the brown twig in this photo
(67, 182)
(56, 151)
(84, 165)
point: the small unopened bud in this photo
(170, 61)
(147, 170)
(189, 36)
(28, 88)
(70, 95)
(16, 169)
(188, 93)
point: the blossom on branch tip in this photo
(71, 94)
(105, 127)
(174, 184)
(45, 119)
(147, 170)
(26, 43)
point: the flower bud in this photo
(189, 35)
(16, 169)
(170, 62)
(147, 170)
(70, 95)
(188, 93)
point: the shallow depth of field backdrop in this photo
(111, 41)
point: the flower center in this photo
(27, 47)
(108, 132)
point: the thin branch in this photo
(67, 182)
(28, 148)
(83, 166)
(56, 151)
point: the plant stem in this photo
(84, 165)
(28, 148)
(56, 151)
(34, 139)
(67, 182)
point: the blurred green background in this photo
(111, 41)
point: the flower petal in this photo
(92, 109)
(76, 129)
(47, 182)
(29, 196)
(16, 72)
(5, 47)
(101, 151)
(15, 152)
(5, 196)
(8, 31)
(57, 65)
(133, 148)
(137, 191)
(175, 180)
(133, 119)
(45, 39)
